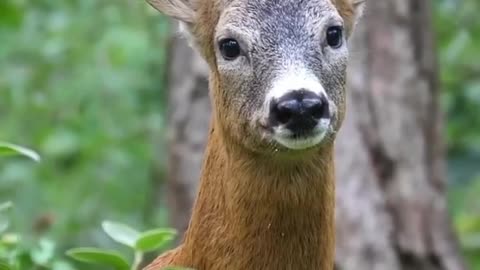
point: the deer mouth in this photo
(302, 139)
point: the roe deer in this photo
(277, 85)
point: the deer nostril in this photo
(286, 110)
(316, 108)
(299, 110)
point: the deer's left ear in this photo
(177, 9)
(351, 11)
(359, 7)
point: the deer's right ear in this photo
(177, 9)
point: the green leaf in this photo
(5, 206)
(99, 256)
(10, 239)
(467, 224)
(4, 223)
(61, 265)
(121, 233)
(4, 265)
(12, 149)
(154, 239)
(44, 252)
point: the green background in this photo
(82, 82)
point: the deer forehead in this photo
(286, 28)
(277, 14)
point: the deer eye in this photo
(229, 48)
(335, 36)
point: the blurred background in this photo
(88, 85)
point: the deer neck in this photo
(254, 212)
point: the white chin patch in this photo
(301, 144)
(284, 136)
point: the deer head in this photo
(278, 67)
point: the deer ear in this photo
(177, 9)
(359, 7)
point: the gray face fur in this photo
(284, 49)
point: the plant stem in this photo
(137, 260)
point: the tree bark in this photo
(391, 206)
(188, 122)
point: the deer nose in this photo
(299, 110)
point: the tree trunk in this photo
(188, 122)
(391, 206)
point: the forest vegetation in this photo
(83, 83)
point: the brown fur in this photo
(255, 210)
(255, 213)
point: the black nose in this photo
(299, 110)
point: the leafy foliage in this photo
(12, 149)
(13, 256)
(138, 242)
(82, 81)
(99, 256)
(153, 239)
(121, 233)
(458, 32)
